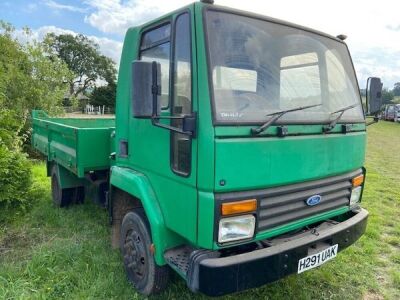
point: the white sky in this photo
(372, 27)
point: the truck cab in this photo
(195, 89)
(239, 150)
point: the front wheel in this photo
(142, 271)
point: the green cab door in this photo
(167, 158)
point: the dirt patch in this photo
(20, 240)
(13, 240)
(372, 296)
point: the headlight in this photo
(355, 196)
(236, 228)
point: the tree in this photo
(83, 58)
(387, 96)
(396, 89)
(15, 169)
(104, 95)
(30, 78)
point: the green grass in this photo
(53, 253)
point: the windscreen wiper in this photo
(332, 124)
(276, 116)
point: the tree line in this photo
(389, 95)
(94, 74)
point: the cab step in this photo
(185, 261)
(179, 259)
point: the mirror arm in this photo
(189, 124)
(375, 120)
(155, 89)
(174, 129)
(189, 121)
(170, 117)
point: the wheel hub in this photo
(135, 254)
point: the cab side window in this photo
(155, 46)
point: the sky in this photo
(372, 27)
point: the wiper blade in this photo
(333, 123)
(276, 116)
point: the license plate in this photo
(317, 259)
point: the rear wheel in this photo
(142, 271)
(61, 197)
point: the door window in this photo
(181, 95)
(156, 46)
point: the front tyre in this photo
(142, 271)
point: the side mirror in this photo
(374, 95)
(146, 89)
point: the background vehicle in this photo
(234, 159)
(392, 112)
(397, 113)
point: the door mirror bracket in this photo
(145, 98)
(375, 120)
(188, 123)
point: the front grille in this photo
(285, 204)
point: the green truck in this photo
(236, 156)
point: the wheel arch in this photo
(137, 186)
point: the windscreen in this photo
(259, 67)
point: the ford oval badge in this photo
(313, 200)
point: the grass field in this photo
(53, 253)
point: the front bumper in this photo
(224, 275)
